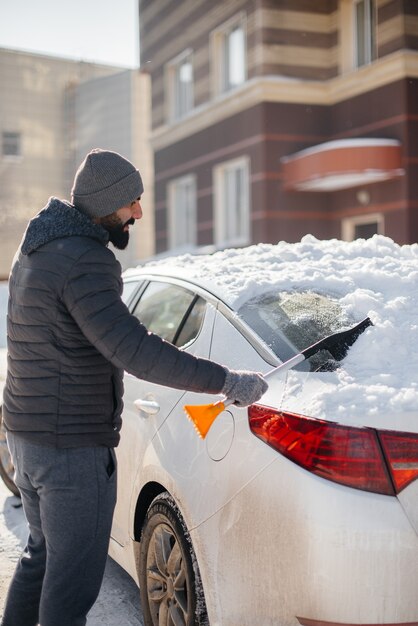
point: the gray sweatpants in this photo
(68, 497)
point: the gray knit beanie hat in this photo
(105, 182)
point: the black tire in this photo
(6, 465)
(169, 578)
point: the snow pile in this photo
(373, 277)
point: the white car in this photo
(302, 509)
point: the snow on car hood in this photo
(374, 277)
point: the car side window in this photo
(170, 311)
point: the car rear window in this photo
(288, 322)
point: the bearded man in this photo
(70, 337)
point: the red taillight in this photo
(344, 454)
(401, 451)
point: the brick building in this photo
(276, 118)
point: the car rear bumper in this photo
(290, 544)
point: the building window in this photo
(182, 212)
(180, 86)
(232, 203)
(229, 55)
(365, 31)
(11, 145)
(362, 226)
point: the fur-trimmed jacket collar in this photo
(59, 219)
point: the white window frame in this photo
(219, 38)
(16, 156)
(222, 238)
(178, 223)
(173, 111)
(369, 33)
(349, 224)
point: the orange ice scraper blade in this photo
(203, 415)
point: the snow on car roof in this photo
(374, 277)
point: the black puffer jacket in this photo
(70, 337)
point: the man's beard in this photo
(114, 227)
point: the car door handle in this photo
(147, 406)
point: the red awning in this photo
(342, 164)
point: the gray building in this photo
(52, 112)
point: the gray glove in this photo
(243, 387)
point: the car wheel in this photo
(169, 578)
(6, 465)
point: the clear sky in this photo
(103, 31)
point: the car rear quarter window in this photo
(192, 323)
(129, 288)
(170, 311)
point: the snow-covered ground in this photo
(374, 277)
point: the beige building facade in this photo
(52, 112)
